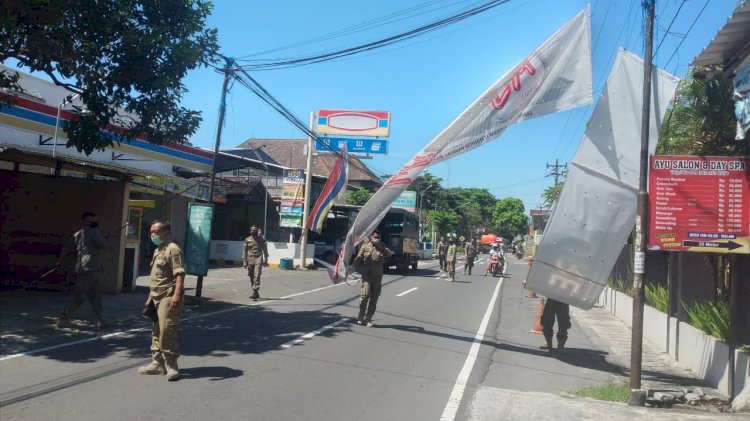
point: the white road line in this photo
(451, 408)
(311, 334)
(406, 292)
(145, 328)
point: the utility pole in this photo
(637, 396)
(556, 170)
(228, 70)
(308, 192)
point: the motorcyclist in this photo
(496, 256)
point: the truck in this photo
(399, 230)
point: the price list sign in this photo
(699, 204)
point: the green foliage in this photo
(125, 58)
(621, 284)
(358, 197)
(702, 121)
(611, 391)
(711, 317)
(551, 193)
(509, 217)
(657, 296)
(444, 221)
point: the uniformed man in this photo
(256, 255)
(470, 252)
(555, 309)
(450, 259)
(167, 289)
(442, 249)
(369, 262)
(87, 244)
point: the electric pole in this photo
(637, 396)
(556, 170)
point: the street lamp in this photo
(265, 188)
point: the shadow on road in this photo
(211, 373)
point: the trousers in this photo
(164, 341)
(372, 283)
(253, 271)
(556, 310)
(87, 287)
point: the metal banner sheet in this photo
(699, 203)
(596, 210)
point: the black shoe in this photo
(256, 295)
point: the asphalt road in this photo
(299, 354)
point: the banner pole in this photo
(308, 191)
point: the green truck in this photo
(399, 231)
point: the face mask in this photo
(156, 240)
(94, 224)
(375, 240)
(254, 233)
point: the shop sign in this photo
(198, 239)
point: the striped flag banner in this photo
(554, 77)
(333, 190)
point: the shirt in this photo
(88, 244)
(255, 249)
(370, 253)
(166, 265)
(451, 256)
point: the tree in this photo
(510, 218)
(125, 59)
(430, 185)
(445, 221)
(358, 197)
(551, 194)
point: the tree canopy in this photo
(358, 197)
(445, 221)
(125, 59)
(510, 217)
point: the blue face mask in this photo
(375, 240)
(156, 240)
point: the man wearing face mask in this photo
(87, 244)
(256, 255)
(167, 289)
(369, 262)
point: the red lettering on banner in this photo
(502, 98)
(401, 176)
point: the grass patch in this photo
(611, 391)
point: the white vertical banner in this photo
(596, 210)
(554, 77)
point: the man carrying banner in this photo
(555, 309)
(256, 255)
(369, 262)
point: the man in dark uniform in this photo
(369, 262)
(470, 252)
(442, 249)
(555, 309)
(167, 289)
(256, 255)
(87, 244)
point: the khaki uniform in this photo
(255, 251)
(442, 249)
(166, 265)
(88, 244)
(369, 262)
(470, 252)
(450, 262)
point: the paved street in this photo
(440, 350)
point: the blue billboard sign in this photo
(372, 146)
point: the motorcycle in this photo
(496, 264)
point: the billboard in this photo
(292, 198)
(197, 242)
(699, 203)
(407, 201)
(336, 144)
(354, 123)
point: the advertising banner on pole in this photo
(198, 241)
(292, 198)
(354, 123)
(407, 201)
(699, 203)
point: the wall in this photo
(231, 251)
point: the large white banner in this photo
(554, 77)
(596, 210)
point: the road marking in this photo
(451, 408)
(406, 292)
(146, 328)
(311, 334)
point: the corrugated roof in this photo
(730, 45)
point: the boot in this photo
(64, 322)
(173, 371)
(547, 343)
(155, 368)
(561, 344)
(256, 295)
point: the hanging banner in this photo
(699, 203)
(554, 77)
(198, 239)
(596, 210)
(292, 198)
(334, 190)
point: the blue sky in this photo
(426, 82)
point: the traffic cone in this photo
(530, 294)
(538, 322)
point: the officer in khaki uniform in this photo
(369, 262)
(256, 255)
(167, 289)
(450, 259)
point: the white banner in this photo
(596, 210)
(554, 77)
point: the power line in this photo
(669, 27)
(686, 33)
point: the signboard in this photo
(336, 144)
(699, 204)
(354, 123)
(292, 198)
(407, 200)
(198, 239)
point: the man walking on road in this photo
(555, 309)
(470, 252)
(369, 262)
(167, 289)
(442, 249)
(88, 244)
(256, 256)
(450, 258)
